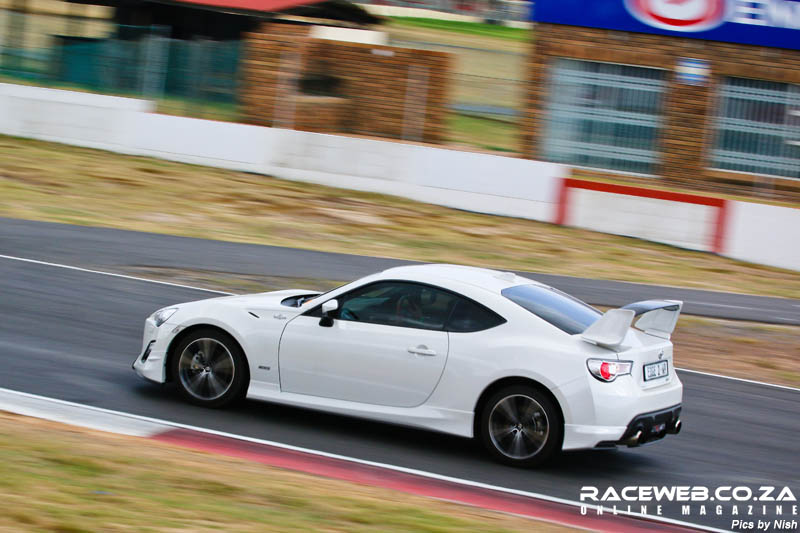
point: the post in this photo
(415, 103)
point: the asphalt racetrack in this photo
(109, 249)
(72, 335)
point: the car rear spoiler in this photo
(658, 318)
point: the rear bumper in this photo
(650, 427)
(618, 407)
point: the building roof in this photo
(249, 5)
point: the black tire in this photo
(215, 379)
(532, 438)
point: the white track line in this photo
(124, 276)
(112, 274)
(743, 380)
(421, 473)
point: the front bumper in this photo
(149, 364)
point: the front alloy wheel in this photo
(210, 369)
(520, 426)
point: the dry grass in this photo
(487, 70)
(46, 181)
(483, 133)
(64, 479)
(741, 349)
(478, 55)
(477, 33)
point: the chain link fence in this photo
(195, 78)
(202, 78)
(486, 82)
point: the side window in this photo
(413, 305)
(469, 316)
(373, 303)
(398, 303)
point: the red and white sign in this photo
(678, 15)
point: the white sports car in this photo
(523, 367)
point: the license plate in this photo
(656, 370)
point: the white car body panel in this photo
(361, 362)
(366, 370)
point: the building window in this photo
(604, 115)
(758, 128)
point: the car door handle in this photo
(421, 350)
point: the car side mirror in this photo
(327, 308)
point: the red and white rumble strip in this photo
(532, 505)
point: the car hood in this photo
(264, 301)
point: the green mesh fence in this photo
(194, 78)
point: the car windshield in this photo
(321, 295)
(561, 310)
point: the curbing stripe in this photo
(559, 513)
(164, 430)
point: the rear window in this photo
(561, 310)
(468, 316)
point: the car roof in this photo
(485, 278)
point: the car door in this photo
(387, 346)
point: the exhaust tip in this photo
(634, 440)
(676, 427)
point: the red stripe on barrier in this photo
(413, 484)
(563, 202)
(717, 244)
(720, 228)
(645, 193)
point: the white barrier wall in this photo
(473, 181)
(765, 234)
(83, 119)
(464, 180)
(201, 142)
(653, 219)
(687, 220)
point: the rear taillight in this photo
(608, 370)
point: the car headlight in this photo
(162, 315)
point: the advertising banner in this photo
(773, 23)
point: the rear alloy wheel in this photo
(210, 368)
(520, 426)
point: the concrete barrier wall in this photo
(201, 142)
(765, 234)
(473, 181)
(758, 233)
(685, 220)
(83, 119)
(464, 180)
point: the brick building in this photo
(699, 92)
(297, 81)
